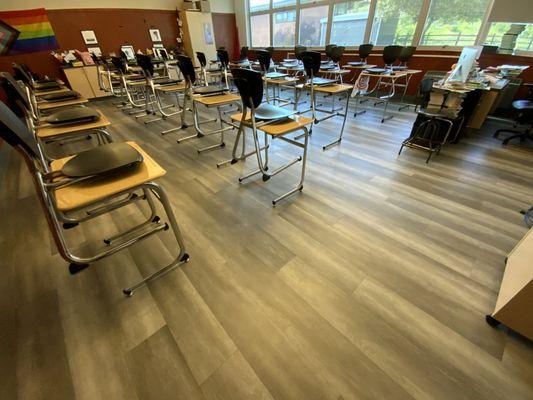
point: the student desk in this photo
(390, 81)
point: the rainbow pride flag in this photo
(36, 33)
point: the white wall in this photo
(222, 6)
(8, 5)
(242, 21)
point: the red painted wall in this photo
(113, 28)
(225, 29)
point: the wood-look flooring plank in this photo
(370, 284)
(42, 355)
(235, 380)
(159, 370)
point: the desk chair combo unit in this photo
(108, 79)
(276, 122)
(390, 55)
(155, 88)
(210, 97)
(406, 54)
(331, 67)
(435, 122)
(65, 125)
(91, 184)
(274, 78)
(41, 86)
(132, 87)
(327, 87)
(524, 116)
(363, 51)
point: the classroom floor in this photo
(371, 284)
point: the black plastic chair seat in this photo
(376, 71)
(167, 81)
(523, 105)
(73, 115)
(109, 159)
(61, 96)
(270, 112)
(209, 90)
(47, 85)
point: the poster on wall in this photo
(95, 50)
(89, 37)
(155, 35)
(208, 33)
(129, 52)
(26, 31)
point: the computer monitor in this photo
(466, 62)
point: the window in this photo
(511, 37)
(260, 30)
(453, 22)
(283, 29)
(283, 3)
(313, 26)
(259, 5)
(349, 23)
(395, 22)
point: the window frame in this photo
(417, 35)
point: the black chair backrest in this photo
(120, 64)
(201, 58)
(424, 90)
(270, 50)
(163, 53)
(365, 50)
(223, 57)
(250, 86)
(298, 51)
(336, 53)
(15, 133)
(145, 62)
(263, 56)
(329, 49)
(186, 68)
(21, 74)
(391, 53)
(244, 53)
(311, 61)
(15, 94)
(407, 53)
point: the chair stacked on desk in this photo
(210, 96)
(80, 187)
(275, 122)
(329, 88)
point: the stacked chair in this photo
(131, 85)
(78, 188)
(60, 126)
(156, 87)
(275, 122)
(212, 96)
(327, 87)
